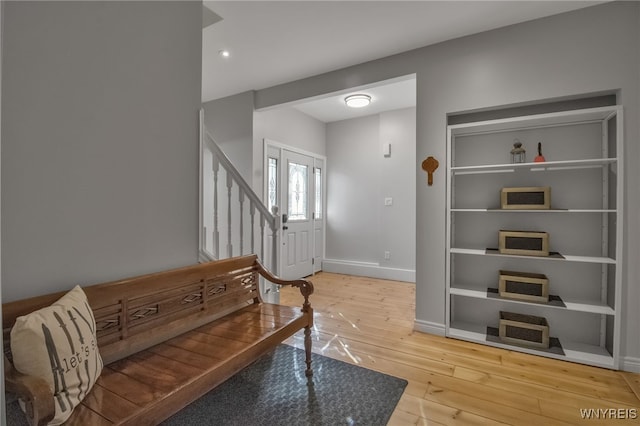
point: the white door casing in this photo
(319, 176)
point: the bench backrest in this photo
(136, 313)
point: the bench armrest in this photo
(34, 391)
(306, 287)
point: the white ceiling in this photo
(274, 42)
(385, 96)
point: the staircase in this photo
(233, 219)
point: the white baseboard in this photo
(367, 269)
(429, 327)
(630, 364)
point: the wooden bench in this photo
(167, 338)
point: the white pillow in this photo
(58, 343)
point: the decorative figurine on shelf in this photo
(539, 158)
(518, 153)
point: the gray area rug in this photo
(274, 391)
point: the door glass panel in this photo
(272, 179)
(298, 196)
(317, 172)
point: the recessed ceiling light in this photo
(224, 53)
(357, 101)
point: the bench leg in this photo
(307, 348)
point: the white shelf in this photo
(497, 210)
(567, 257)
(533, 167)
(576, 352)
(589, 307)
(579, 139)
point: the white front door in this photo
(297, 215)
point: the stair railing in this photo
(228, 209)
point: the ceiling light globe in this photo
(357, 101)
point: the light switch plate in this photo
(386, 149)
(388, 201)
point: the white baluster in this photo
(216, 233)
(241, 199)
(229, 185)
(261, 236)
(252, 212)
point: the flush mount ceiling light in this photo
(224, 53)
(357, 101)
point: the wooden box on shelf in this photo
(524, 330)
(529, 198)
(524, 243)
(524, 286)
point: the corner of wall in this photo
(2, 403)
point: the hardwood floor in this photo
(369, 322)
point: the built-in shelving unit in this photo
(582, 148)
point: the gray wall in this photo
(360, 227)
(2, 403)
(590, 50)
(353, 212)
(397, 180)
(290, 127)
(99, 141)
(287, 126)
(229, 122)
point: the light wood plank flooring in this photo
(369, 322)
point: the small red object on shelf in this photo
(539, 158)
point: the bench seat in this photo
(167, 371)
